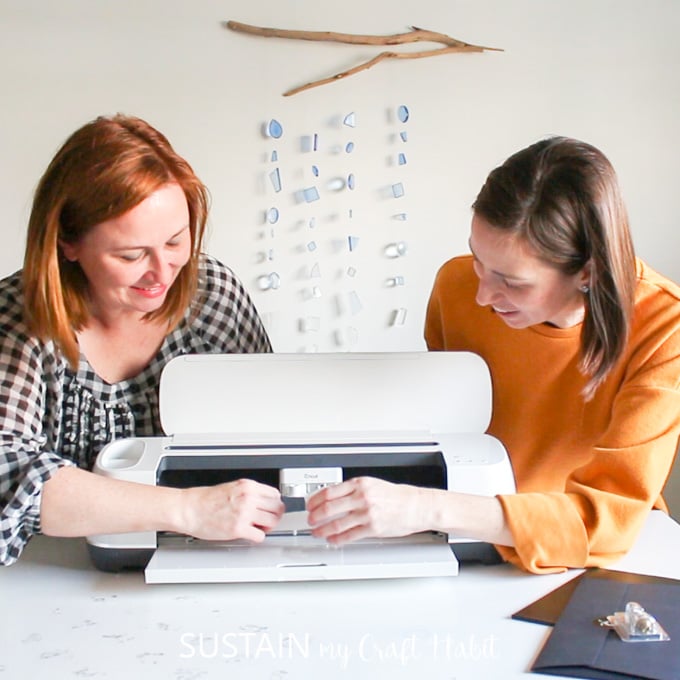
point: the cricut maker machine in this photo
(300, 422)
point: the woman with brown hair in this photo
(583, 344)
(114, 285)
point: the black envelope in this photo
(579, 648)
(548, 608)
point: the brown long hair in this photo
(104, 169)
(562, 197)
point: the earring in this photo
(585, 288)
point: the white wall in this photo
(601, 70)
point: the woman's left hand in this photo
(366, 506)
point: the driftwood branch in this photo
(415, 35)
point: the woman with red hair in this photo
(114, 285)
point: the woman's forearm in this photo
(466, 515)
(80, 503)
(366, 506)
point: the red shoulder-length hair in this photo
(103, 170)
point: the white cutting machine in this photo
(300, 422)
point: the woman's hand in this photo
(367, 506)
(241, 509)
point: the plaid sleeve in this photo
(227, 319)
(24, 465)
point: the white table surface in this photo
(61, 618)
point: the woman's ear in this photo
(69, 251)
(585, 276)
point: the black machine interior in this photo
(420, 468)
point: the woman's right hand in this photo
(242, 509)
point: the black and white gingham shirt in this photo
(51, 416)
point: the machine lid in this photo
(327, 392)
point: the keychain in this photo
(634, 625)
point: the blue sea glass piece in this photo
(399, 317)
(273, 215)
(274, 129)
(355, 305)
(311, 194)
(275, 178)
(350, 120)
(335, 184)
(311, 324)
(269, 281)
(398, 249)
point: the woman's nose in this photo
(159, 266)
(487, 292)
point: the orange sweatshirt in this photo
(587, 473)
